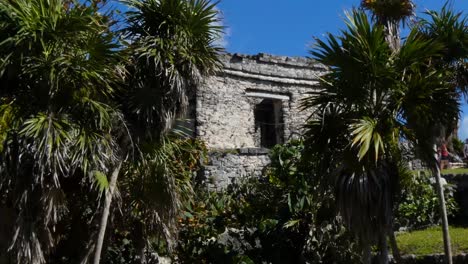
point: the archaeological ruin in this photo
(252, 105)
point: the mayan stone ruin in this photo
(252, 105)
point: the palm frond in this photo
(58, 120)
(156, 185)
(367, 136)
(390, 9)
(173, 46)
(449, 29)
(372, 96)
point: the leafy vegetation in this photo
(419, 206)
(90, 159)
(277, 218)
(137, 227)
(281, 218)
(457, 146)
(83, 105)
(361, 149)
(381, 90)
(57, 80)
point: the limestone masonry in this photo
(253, 104)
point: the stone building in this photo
(252, 105)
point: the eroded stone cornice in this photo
(279, 69)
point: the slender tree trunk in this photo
(443, 213)
(142, 255)
(383, 249)
(395, 251)
(141, 242)
(89, 250)
(366, 256)
(392, 34)
(105, 213)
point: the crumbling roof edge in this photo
(286, 61)
(300, 71)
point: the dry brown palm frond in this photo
(390, 9)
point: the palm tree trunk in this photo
(142, 255)
(141, 242)
(105, 213)
(367, 256)
(443, 213)
(383, 249)
(392, 34)
(88, 251)
(395, 251)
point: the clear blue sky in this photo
(285, 27)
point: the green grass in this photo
(429, 241)
(447, 171)
(455, 171)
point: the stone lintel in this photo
(242, 151)
(271, 78)
(254, 151)
(267, 95)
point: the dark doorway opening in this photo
(269, 122)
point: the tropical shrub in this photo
(57, 77)
(419, 205)
(86, 109)
(457, 146)
(134, 226)
(276, 218)
(381, 89)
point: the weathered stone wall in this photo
(225, 110)
(225, 167)
(225, 107)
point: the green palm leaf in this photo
(366, 135)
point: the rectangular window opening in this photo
(269, 122)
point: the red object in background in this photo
(444, 151)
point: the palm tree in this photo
(450, 30)
(171, 47)
(154, 188)
(57, 76)
(373, 96)
(390, 14)
(66, 112)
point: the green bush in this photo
(457, 146)
(277, 218)
(419, 206)
(185, 156)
